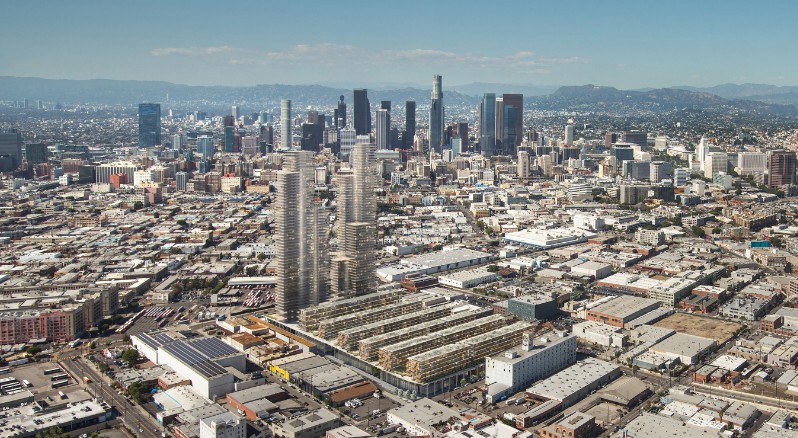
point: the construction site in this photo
(420, 343)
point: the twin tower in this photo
(307, 272)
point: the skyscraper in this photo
(487, 124)
(10, 150)
(436, 115)
(569, 134)
(386, 105)
(347, 137)
(181, 178)
(410, 123)
(229, 134)
(285, 125)
(781, 168)
(36, 153)
(300, 238)
(177, 142)
(149, 124)
(340, 114)
(205, 146)
(234, 113)
(382, 129)
(362, 112)
(514, 125)
(499, 124)
(353, 267)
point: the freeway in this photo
(135, 417)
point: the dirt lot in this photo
(716, 329)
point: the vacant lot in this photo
(721, 331)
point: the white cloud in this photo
(194, 51)
(342, 55)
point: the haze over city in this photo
(403, 219)
(626, 44)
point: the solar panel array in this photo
(213, 347)
(198, 354)
(155, 340)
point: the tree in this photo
(717, 230)
(698, 231)
(53, 432)
(138, 205)
(131, 356)
(104, 368)
(138, 391)
(34, 350)
(492, 268)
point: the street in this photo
(133, 416)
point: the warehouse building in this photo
(575, 382)
(433, 263)
(537, 357)
(420, 418)
(468, 278)
(621, 310)
(532, 307)
(688, 349)
(201, 360)
(547, 239)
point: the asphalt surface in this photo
(133, 416)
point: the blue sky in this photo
(627, 44)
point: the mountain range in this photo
(751, 98)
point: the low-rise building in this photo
(420, 417)
(536, 358)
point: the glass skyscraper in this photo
(436, 115)
(487, 124)
(149, 124)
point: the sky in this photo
(626, 44)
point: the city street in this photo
(134, 417)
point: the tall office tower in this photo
(382, 129)
(36, 153)
(149, 124)
(460, 130)
(514, 125)
(347, 137)
(104, 171)
(436, 115)
(702, 150)
(361, 118)
(609, 139)
(635, 137)
(386, 105)
(353, 267)
(205, 146)
(285, 125)
(623, 152)
(340, 114)
(410, 124)
(177, 142)
(487, 124)
(569, 134)
(234, 113)
(751, 163)
(716, 162)
(660, 170)
(680, 176)
(229, 138)
(524, 165)
(499, 125)
(300, 238)
(181, 178)
(781, 168)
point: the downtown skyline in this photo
(621, 44)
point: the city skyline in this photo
(606, 44)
